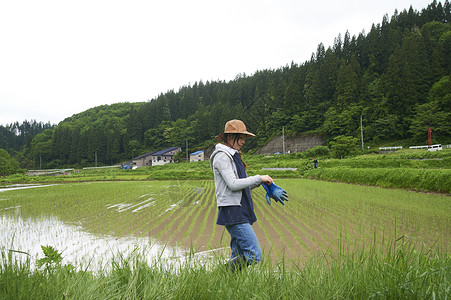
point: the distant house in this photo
(197, 156)
(144, 160)
(156, 158)
(164, 156)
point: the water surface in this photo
(84, 250)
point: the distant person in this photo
(233, 194)
(315, 163)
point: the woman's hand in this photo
(267, 179)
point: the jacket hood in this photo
(217, 150)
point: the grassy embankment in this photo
(407, 169)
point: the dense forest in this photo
(14, 137)
(396, 77)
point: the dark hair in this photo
(233, 137)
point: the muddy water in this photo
(79, 248)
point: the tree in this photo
(407, 79)
(8, 165)
(41, 147)
(313, 116)
(386, 128)
(342, 122)
(347, 90)
(436, 113)
(434, 35)
(328, 76)
(178, 132)
(342, 145)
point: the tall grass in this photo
(438, 180)
(396, 271)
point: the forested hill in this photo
(14, 137)
(396, 76)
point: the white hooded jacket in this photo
(227, 182)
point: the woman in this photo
(233, 194)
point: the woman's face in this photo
(237, 143)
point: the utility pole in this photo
(361, 130)
(187, 158)
(429, 137)
(96, 159)
(283, 139)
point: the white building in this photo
(165, 156)
(156, 158)
(197, 156)
(144, 160)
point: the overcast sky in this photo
(59, 58)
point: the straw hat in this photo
(234, 126)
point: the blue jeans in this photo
(244, 242)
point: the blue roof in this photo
(161, 152)
(197, 152)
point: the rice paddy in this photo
(90, 221)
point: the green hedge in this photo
(438, 180)
(441, 163)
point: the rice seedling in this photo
(320, 216)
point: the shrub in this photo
(319, 151)
(343, 146)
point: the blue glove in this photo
(275, 192)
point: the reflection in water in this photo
(81, 249)
(13, 187)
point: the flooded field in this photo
(78, 248)
(90, 223)
(86, 250)
(13, 187)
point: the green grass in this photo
(399, 271)
(407, 169)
